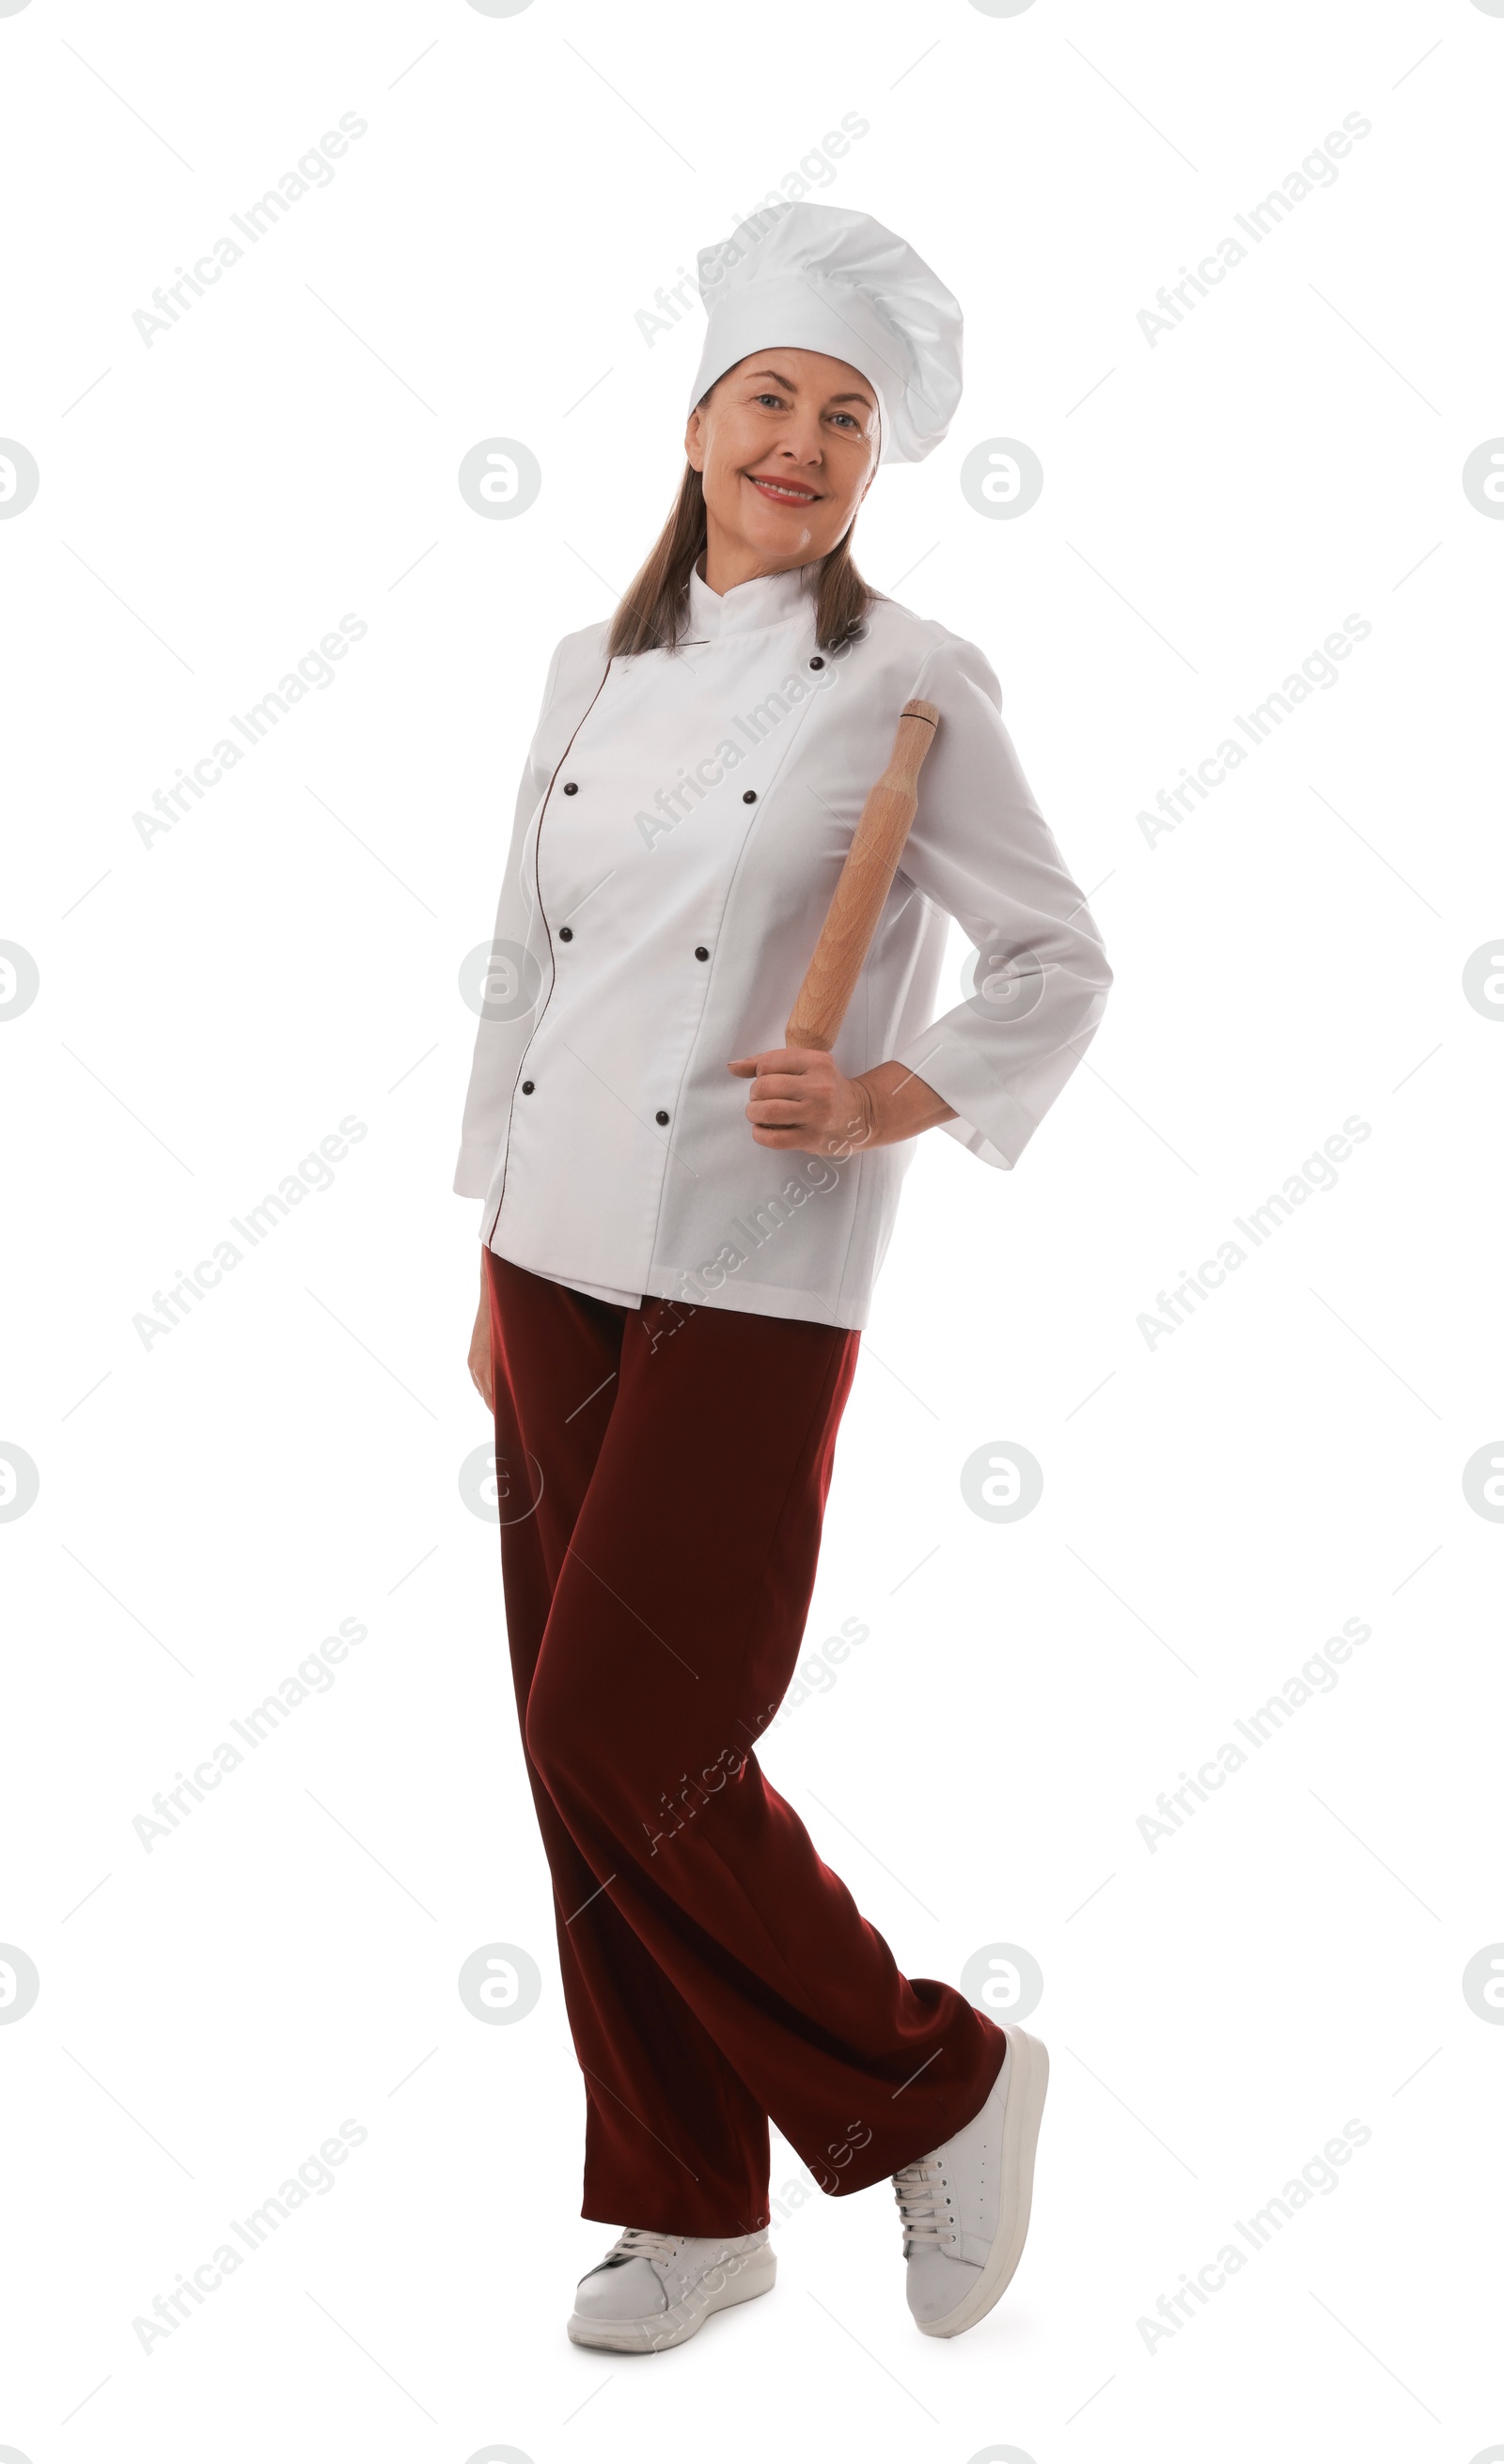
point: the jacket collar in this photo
(751, 607)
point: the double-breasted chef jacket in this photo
(680, 829)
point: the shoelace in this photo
(637, 2242)
(923, 2203)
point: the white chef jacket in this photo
(680, 827)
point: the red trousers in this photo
(662, 1474)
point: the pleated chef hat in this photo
(820, 279)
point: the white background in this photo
(1215, 1506)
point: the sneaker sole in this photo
(1028, 2079)
(735, 2279)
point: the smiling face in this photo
(787, 443)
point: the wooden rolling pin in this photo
(866, 878)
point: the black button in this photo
(527, 1086)
(662, 1121)
(570, 789)
(702, 951)
(749, 796)
(815, 663)
(567, 932)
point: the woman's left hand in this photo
(802, 1099)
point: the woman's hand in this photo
(801, 1099)
(481, 1371)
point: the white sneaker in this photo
(653, 2290)
(965, 2207)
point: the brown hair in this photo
(654, 611)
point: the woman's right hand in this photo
(481, 1371)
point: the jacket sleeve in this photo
(980, 850)
(490, 1077)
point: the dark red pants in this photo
(663, 1473)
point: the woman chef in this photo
(682, 1221)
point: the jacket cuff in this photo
(989, 1122)
(473, 1171)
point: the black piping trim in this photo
(553, 965)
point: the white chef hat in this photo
(820, 279)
